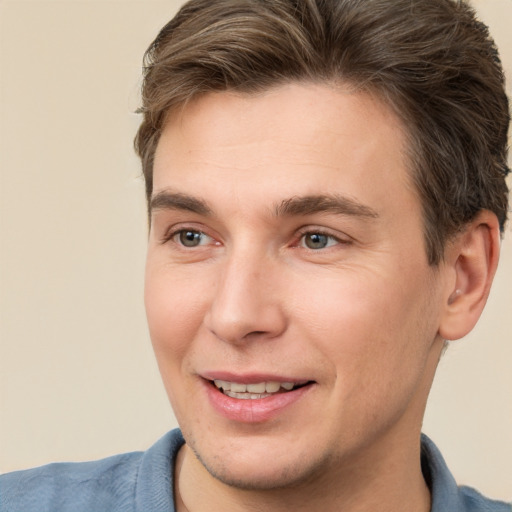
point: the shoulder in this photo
(127, 482)
(446, 494)
(81, 485)
(106, 484)
(476, 502)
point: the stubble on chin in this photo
(301, 473)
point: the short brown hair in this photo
(432, 61)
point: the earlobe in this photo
(473, 256)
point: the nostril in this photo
(255, 333)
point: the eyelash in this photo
(303, 234)
(172, 235)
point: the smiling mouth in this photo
(258, 390)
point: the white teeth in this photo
(258, 390)
(226, 386)
(246, 396)
(238, 388)
(272, 387)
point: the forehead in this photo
(301, 138)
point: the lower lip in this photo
(253, 410)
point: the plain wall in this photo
(77, 375)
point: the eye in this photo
(315, 240)
(190, 238)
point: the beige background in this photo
(77, 375)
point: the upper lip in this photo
(251, 378)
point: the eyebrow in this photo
(331, 203)
(166, 200)
(294, 206)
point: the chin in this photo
(260, 469)
(263, 479)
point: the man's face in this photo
(286, 248)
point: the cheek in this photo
(375, 340)
(175, 308)
(370, 325)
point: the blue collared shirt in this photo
(143, 482)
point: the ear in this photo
(472, 258)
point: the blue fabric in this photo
(446, 495)
(142, 482)
(132, 482)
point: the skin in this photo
(360, 318)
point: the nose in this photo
(247, 302)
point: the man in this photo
(326, 190)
